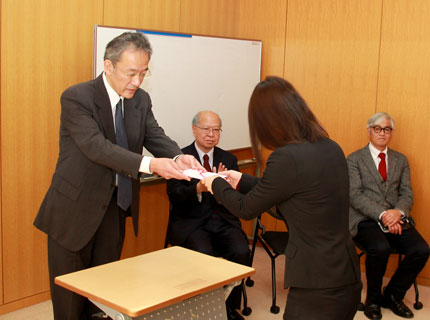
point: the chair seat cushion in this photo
(277, 240)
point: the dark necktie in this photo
(124, 194)
(382, 168)
(206, 164)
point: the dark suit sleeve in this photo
(277, 184)
(247, 183)
(78, 121)
(405, 197)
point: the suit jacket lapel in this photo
(217, 158)
(101, 99)
(194, 152)
(132, 119)
(392, 163)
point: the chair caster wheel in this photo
(274, 309)
(418, 305)
(249, 282)
(246, 311)
(360, 306)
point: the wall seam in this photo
(285, 38)
(379, 57)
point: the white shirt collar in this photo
(375, 154)
(201, 154)
(113, 96)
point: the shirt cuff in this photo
(144, 165)
(380, 216)
(176, 157)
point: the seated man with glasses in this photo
(196, 220)
(380, 202)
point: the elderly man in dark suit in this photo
(380, 202)
(197, 221)
(105, 123)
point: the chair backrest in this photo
(274, 212)
(167, 240)
(277, 240)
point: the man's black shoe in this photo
(397, 306)
(232, 314)
(372, 311)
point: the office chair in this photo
(274, 243)
(418, 304)
(246, 311)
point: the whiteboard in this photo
(190, 73)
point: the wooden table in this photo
(139, 287)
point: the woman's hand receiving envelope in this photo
(232, 177)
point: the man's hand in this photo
(207, 182)
(396, 228)
(221, 168)
(200, 187)
(186, 161)
(392, 217)
(167, 168)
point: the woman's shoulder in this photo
(306, 145)
(308, 149)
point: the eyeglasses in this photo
(142, 75)
(378, 129)
(207, 130)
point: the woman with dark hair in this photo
(306, 178)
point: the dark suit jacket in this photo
(187, 213)
(308, 182)
(84, 178)
(369, 194)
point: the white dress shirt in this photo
(202, 153)
(114, 98)
(375, 156)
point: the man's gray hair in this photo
(135, 40)
(378, 117)
(196, 118)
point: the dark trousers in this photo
(323, 304)
(377, 246)
(104, 247)
(219, 238)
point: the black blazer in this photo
(309, 184)
(186, 212)
(84, 178)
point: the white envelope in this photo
(200, 174)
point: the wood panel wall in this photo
(331, 57)
(44, 50)
(1, 243)
(348, 59)
(404, 92)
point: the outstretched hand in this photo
(233, 177)
(207, 183)
(167, 168)
(186, 161)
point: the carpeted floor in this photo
(259, 297)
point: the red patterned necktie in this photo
(206, 163)
(382, 168)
